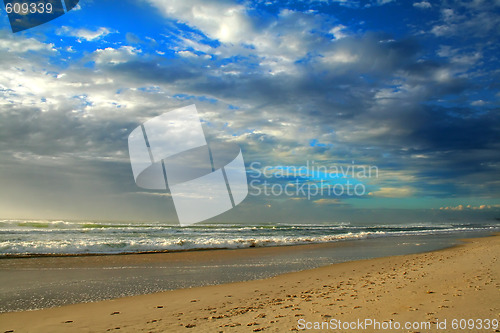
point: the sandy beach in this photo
(431, 292)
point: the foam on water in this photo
(86, 237)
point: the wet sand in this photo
(42, 281)
(455, 283)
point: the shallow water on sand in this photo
(33, 283)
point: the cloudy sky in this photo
(411, 88)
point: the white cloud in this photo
(18, 45)
(468, 20)
(154, 194)
(459, 58)
(221, 20)
(422, 5)
(383, 2)
(378, 3)
(278, 43)
(338, 31)
(83, 33)
(441, 30)
(448, 22)
(328, 202)
(113, 56)
(339, 57)
(392, 192)
(448, 14)
(470, 207)
(187, 54)
(478, 103)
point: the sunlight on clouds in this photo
(470, 207)
(113, 56)
(360, 132)
(340, 57)
(338, 32)
(325, 201)
(17, 45)
(233, 27)
(443, 75)
(278, 43)
(393, 192)
(187, 54)
(83, 33)
(273, 80)
(224, 21)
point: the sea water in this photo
(18, 237)
(31, 282)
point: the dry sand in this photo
(456, 283)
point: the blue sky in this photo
(409, 87)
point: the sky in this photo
(408, 89)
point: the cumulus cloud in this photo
(226, 21)
(422, 5)
(83, 33)
(114, 56)
(469, 20)
(338, 31)
(470, 207)
(277, 43)
(12, 45)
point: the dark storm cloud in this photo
(55, 133)
(152, 72)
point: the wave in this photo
(59, 237)
(60, 224)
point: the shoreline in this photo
(460, 282)
(482, 233)
(43, 282)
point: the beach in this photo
(432, 292)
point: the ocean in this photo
(19, 237)
(36, 271)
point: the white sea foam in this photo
(64, 237)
